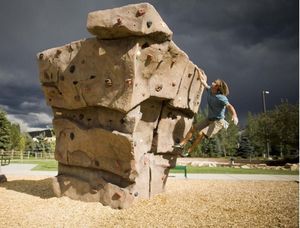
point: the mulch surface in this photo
(30, 202)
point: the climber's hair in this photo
(223, 87)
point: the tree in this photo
(245, 149)
(15, 136)
(212, 147)
(5, 132)
(280, 126)
(22, 145)
(255, 131)
(28, 141)
(285, 128)
(41, 145)
(228, 139)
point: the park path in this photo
(25, 170)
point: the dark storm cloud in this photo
(253, 45)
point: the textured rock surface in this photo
(132, 20)
(120, 101)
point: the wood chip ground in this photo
(30, 202)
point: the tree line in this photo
(277, 130)
(11, 138)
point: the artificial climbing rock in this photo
(120, 101)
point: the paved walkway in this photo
(25, 170)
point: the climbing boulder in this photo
(120, 100)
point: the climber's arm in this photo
(232, 111)
(202, 80)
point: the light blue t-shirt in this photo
(216, 105)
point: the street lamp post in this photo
(264, 92)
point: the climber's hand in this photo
(235, 120)
(202, 80)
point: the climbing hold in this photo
(149, 23)
(172, 63)
(116, 196)
(119, 21)
(72, 69)
(128, 81)
(41, 56)
(72, 136)
(148, 59)
(58, 52)
(158, 88)
(101, 51)
(108, 82)
(140, 12)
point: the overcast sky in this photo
(253, 45)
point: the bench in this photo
(5, 159)
(181, 167)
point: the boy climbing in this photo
(217, 104)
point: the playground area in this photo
(99, 103)
(29, 202)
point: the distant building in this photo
(48, 135)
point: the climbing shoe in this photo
(184, 154)
(178, 146)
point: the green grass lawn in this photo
(51, 165)
(41, 165)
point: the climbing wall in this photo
(120, 100)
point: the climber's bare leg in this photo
(187, 137)
(199, 138)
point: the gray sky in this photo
(253, 45)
